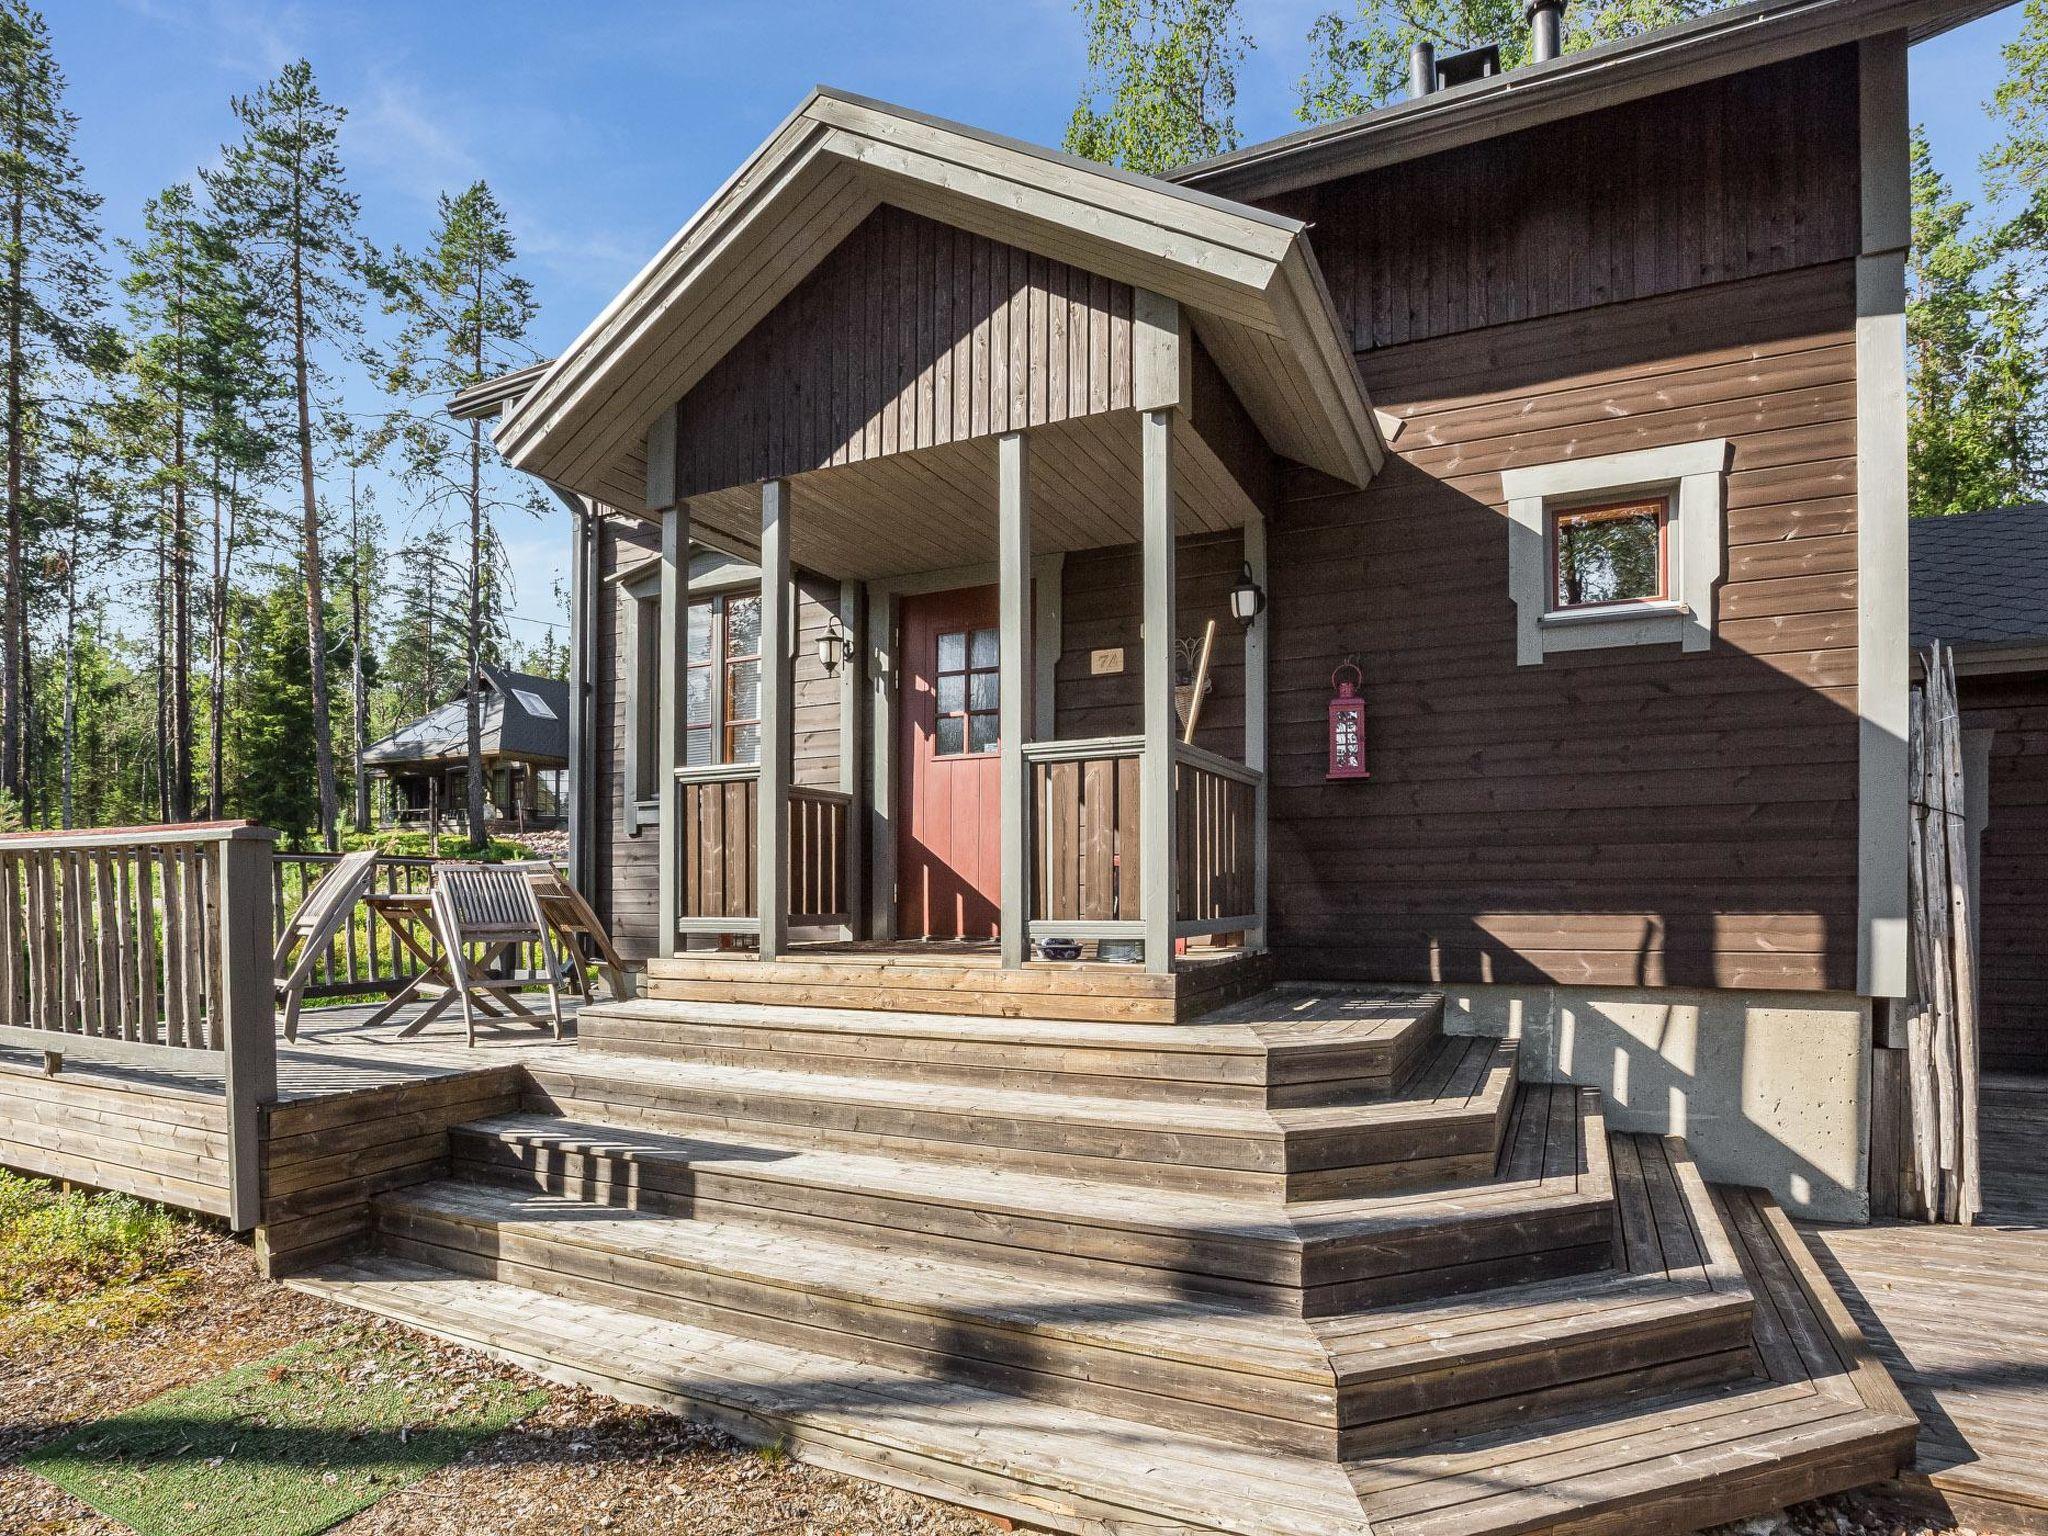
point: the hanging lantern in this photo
(1347, 724)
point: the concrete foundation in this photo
(1767, 1088)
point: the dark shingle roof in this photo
(523, 716)
(1981, 578)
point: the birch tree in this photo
(1161, 88)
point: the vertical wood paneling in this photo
(2013, 898)
(910, 335)
(1731, 179)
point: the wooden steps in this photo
(1295, 1046)
(1202, 1364)
(1444, 1127)
(1037, 1464)
(956, 979)
(1548, 1212)
(1117, 1276)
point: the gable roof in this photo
(1722, 42)
(523, 716)
(1980, 579)
(1246, 277)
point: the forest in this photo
(205, 611)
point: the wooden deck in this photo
(1958, 1315)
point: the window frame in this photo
(1606, 510)
(967, 673)
(1692, 477)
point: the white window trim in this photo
(1692, 475)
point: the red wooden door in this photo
(949, 839)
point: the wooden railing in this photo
(1084, 811)
(149, 947)
(1215, 820)
(717, 888)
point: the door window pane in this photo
(985, 651)
(952, 735)
(952, 694)
(953, 652)
(968, 692)
(981, 733)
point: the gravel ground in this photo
(583, 1465)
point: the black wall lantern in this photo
(1247, 598)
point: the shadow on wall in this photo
(1767, 1088)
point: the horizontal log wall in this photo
(625, 883)
(118, 1130)
(910, 335)
(2013, 906)
(1631, 816)
(326, 1159)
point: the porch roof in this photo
(1245, 277)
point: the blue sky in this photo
(604, 123)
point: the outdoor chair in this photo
(493, 907)
(571, 918)
(322, 911)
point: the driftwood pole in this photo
(1942, 1028)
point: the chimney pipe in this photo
(1422, 69)
(1546, 28)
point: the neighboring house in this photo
(1980, 585)
(422, 770)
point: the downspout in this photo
(582, 610)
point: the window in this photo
(1609, 554)
(722, 681)
(964, 720)
(645, 615)
(1625, 549)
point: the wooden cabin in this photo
(1262, 817)
(420, 771)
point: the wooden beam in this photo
(778, 690)
(1156, 654)
(1257, 650)
(668, 751)
(852, 742)
(882, 725)
(1013, 581)
(1161, 360)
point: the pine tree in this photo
(49, 238)
(467, 312)
(1162, 82)
(272, 775)
(363, 570)
(1359, 60)
(283, 195)
(423, 645)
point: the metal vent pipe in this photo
(1546, 29)
(1422, 69)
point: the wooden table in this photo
(409, 917)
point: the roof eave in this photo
(1686, 53)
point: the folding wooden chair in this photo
(493, 907)
(322, 912)
(571, 918)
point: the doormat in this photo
(283, 1446)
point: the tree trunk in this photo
(13, 674)
(217, 652)
(181, 597)
(316, 602)
(358, 689)
(68, 808)
(474, 723)
(163, 645)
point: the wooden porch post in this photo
(1156, 657)
(1013, 709)
(771, 841)
(881, 779)
(668, 751)
(852, 741)
(1256, 652)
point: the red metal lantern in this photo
(1347, 724)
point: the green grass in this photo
(71, 1261)
(283, 1446)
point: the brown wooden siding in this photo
(1101, 610)
(1626, 816)
(1735, 178)
(910, 335)
(2013, 877)
(626, 875)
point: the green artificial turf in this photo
(283, 1446)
